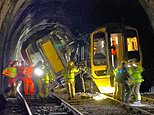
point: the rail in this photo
(70, 108)
(130, 107)
(23, 99)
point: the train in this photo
(110, 45)
(93, 51)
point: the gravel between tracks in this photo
(93, 107)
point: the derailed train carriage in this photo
(50, 50)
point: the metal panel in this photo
(52, 56)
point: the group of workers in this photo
(127, 81)
(35, 79)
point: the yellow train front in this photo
(109, 46)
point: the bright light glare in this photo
(99, 97)
(128, 65)
(134, 65)
(38, 72)
(106, 89)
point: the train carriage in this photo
(109, 46)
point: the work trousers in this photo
(38, 85)
(126, 91)
(28, 86)
(117, 91)
(70, 85)
(114, 61)
(136, 91)
(45, 89)
(12, 86)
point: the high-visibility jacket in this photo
(10, 72)
(113, 50)
(69, 74)
(136, 74)
(28, 72)
(46, 78)
(122, 75)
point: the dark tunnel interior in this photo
(35, 19)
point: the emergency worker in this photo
(28, 82)
(11, 72)
(38, 76)
(114, 53)
(45, 81)
(20, 74)
(69, 75)
(124, 77)
(117, 84)
(135, 71)
(20, 68)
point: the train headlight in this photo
(38, 72)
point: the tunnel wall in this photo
(11, 10)
(148, 5)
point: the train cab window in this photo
(132, 46)
(99, 49)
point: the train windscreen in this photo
(132, 45)
(99, 50)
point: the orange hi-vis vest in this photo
(113, 50)
(10, 72)
(28, 72)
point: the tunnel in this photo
(24, 21)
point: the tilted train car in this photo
(49, 49)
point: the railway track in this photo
(50, 106)
(109, 106)
(82, 105)
(146, 107)
(16, 105)
(27, 105)
(89, 106)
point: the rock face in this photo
(148, 5)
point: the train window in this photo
(99, 49)
(34, 56)
(132, 45)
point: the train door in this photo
(52, 56)
(116, 40)
(99, 57)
